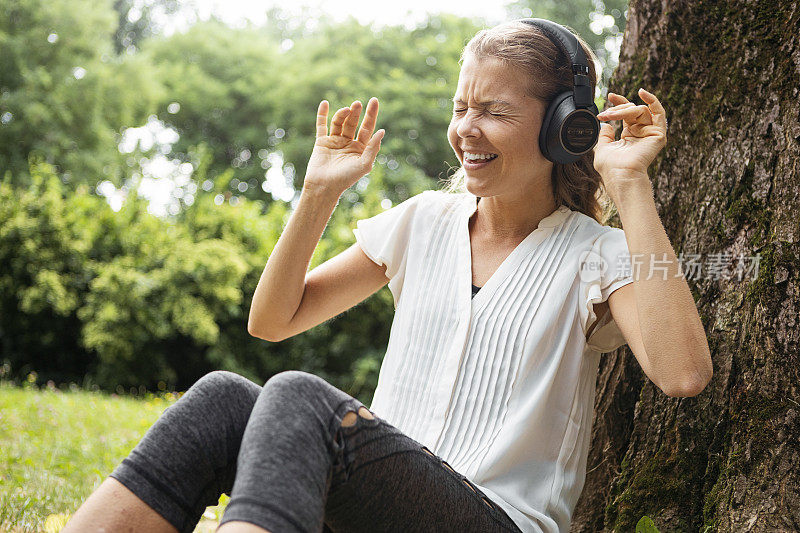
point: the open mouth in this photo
(470, 162)
(488, 157)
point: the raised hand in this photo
(342, 158)
(644, 134)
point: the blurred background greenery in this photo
(146, 176)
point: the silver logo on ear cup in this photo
(579, 133)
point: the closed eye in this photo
(462, 110)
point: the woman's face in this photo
(493, 115)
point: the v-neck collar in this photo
(510, 263)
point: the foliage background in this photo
(120, 297)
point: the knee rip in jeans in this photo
(350, 417)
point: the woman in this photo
(500, 384)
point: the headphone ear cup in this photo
(548, 134)
(568, 132)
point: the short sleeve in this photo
(604, 269)
(384, 238)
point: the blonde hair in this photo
(576, 185)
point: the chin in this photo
(474, 187)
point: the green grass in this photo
(56, 447)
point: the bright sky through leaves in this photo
(365, 11)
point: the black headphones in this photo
(570, 127)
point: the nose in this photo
(467, 125)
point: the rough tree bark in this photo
(728, 181)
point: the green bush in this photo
(126, 299)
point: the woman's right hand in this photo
(340, 159)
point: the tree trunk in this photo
(728, 75)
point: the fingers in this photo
(656, 109)
(338, 120)
(322, 119)
(368, 124)
(350, 123)
(620, 106)
(657, 114)
(615, 98)
(629, 113)
(612, 112)
(607, 135)
(345, 120)
(374, 144)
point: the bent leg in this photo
(287, 454)
(185, 461)
(313, 458)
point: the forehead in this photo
(489, 80)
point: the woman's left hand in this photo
(644, 134)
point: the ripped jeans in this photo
(297, 455)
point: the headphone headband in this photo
(566, 41)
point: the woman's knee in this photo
(293, 380)
(298, 388)
(295, 388)
(221, 384)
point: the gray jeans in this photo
(290, 466)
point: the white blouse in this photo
(500, 385)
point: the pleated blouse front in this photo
(500, 384)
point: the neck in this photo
(501, 218)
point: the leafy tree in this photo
(136, 21)
(128, 299)
(220, 86)
(48, 253)
(63, 95)
(125, 295)
(264, 100)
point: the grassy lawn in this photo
(57, 446)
